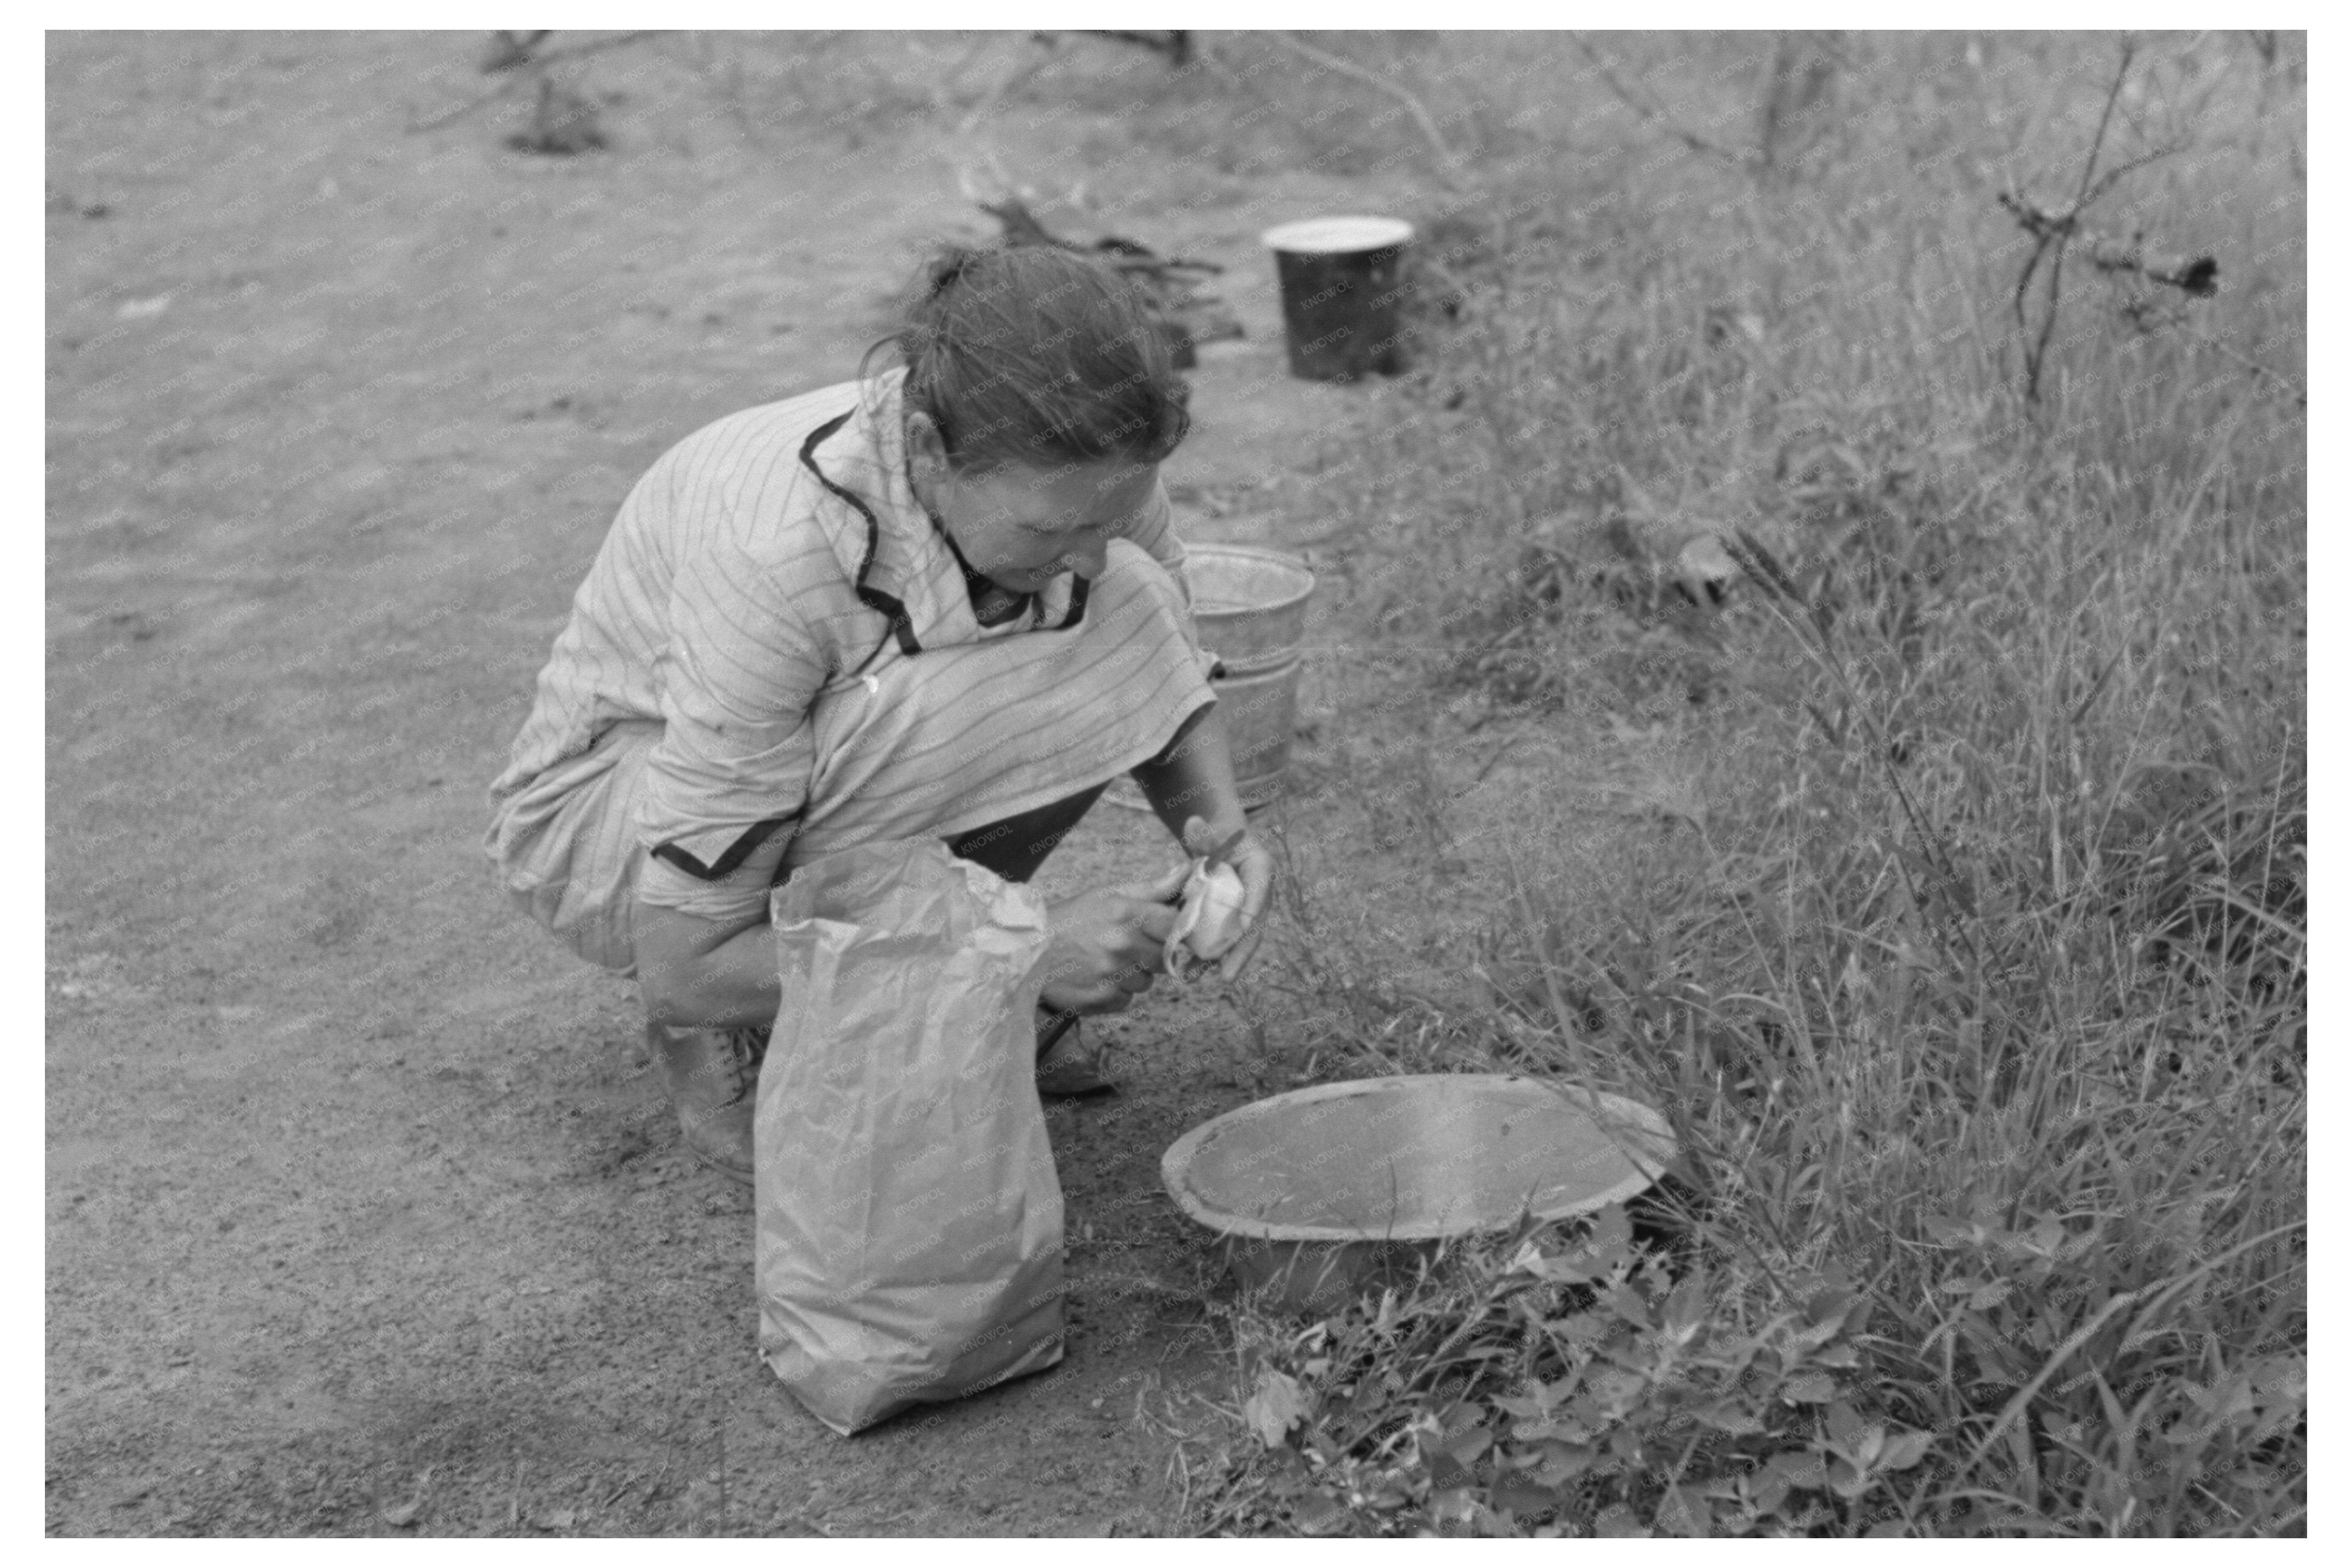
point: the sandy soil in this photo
(363, 1214)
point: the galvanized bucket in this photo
(1249, 605)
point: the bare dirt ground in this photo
(363, 1216)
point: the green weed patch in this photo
(1944, 885)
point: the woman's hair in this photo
(1039, 356)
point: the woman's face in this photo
(1023, 527)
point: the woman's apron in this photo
(977, 744)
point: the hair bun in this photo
(948, 268)
(1045, 357)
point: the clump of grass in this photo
(1569, 1384)
(1966, 952)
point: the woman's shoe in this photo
(713, 1077)
(1065, 1068)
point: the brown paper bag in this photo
(909, 1243)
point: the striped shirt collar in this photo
(911, 563)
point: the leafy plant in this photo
(1577, 1387)
(1961, 934)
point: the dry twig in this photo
(2196, 275)
(1449, 165)
(1022, 70)
(729, 84)
(1177, 44)
(533, 66)
(1655, 112)
(510, 48)
(1172, 282)
(943, 89)
(2052, 233)
(2253, 367)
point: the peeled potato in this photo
(1218, 925)
(1211, 919)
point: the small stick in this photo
(1509, 740)
(417, 127)
(942, 93)
(532, 70)
(1654, 114)
(729, 84)
(2052, 231)
(1449, 165)
(1176, 46)
(597, 46)
(2252, 366)
(1022, 71)
(2197, 275)
(2099, 137)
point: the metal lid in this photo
(1337, 235)
(1413, 1158)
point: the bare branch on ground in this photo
(1021, 71)
(1655, 112)
(1449, 165)
(2053, 231)
(531, 67)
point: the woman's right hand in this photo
(1109, 945)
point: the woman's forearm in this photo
(1195, 777)
(695, 973)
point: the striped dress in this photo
(775, 656)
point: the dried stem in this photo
(2252, 366)
(942, 90)
(728, 81)
(532, 68)
(1655, 113)
(2040, 351)
(1022, 70)
(2053, 231)
(2099, 137)
(1449, 165)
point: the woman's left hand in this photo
(1254, 864)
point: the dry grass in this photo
(1947, 890)
(1963, 936)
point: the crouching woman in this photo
(944, 599)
